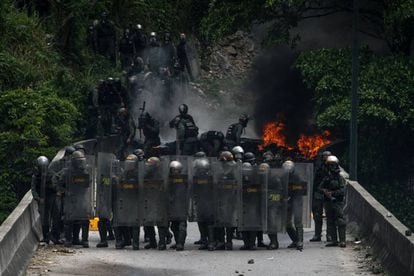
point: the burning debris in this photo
(306, 147)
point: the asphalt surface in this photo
(315, 259)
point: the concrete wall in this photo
(385, 233)
(19, 236)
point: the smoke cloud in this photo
(280, 93)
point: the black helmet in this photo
(140, 154)
(183, 109)
(249, 157)
(78, 160)
(69, 150)
(80, 147)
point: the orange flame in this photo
(309, 146)
(272, 134)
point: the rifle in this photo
(140, 126)
(327, 194)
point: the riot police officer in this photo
(127, 180)
(153, 55)
(234, 132)
(45, 194)
(140, 41)
(182, 55)
(76, 172)
(295, 209)
(212, 142)
(106, 36)
(238, 153)
(187, 131)
(250, 158)
(91, 39)
(333, 190)
(318, 202)
(178, 187)
(151, 129)
(222, 236)
(126, 129)
(168, 53)
(126, 49)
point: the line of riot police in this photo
(221, 194)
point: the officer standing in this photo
(182, 56)
(187, 131)
(77, 168)
(91, 39)
(212, 142)
(128, 179)
(140, 41)
(106, 36)
(126, 50)
(178, 224)
(168, 52)
(151, 129)
(333, 190)
(318, 202)
(126, 129)
(234, 132)
(45, 195)
(295, 209)
(153, 56)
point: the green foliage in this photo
(385, 118)
(225, 17)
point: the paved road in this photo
(314, 260)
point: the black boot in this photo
(342, 235)
(162, 233)
(274, 244)
(102, 228)
(334, 235)
(299, 234)
(229, 238)
(126, 231)
(68, 229)
(111, 236)
(318, 231)
(260, 239)
(119, 242)
(211, 239)
(292, 235)
(135, 238)
(76, 230)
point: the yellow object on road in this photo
(93, 224)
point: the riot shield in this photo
(104, 185)
(277, 196)
(202, 191)
(178, 182)
(153, 202)
(301, 184)
(227, 188)
(78, 199)
(253, 202)
(125, 188)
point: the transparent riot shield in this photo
(277, 196)
(153, 202)
(301, 184)
(253, 211)
(227, 187)
(202, 191)
(78, 199)
(178, 191)
(125, 188)
(104, 185)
